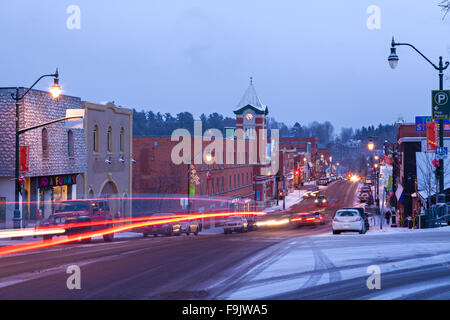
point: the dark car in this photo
(77, 211)
(307, 219)
(167, 229)
(321, 201)
(363, 214)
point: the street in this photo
(280, 263)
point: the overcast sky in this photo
(310, 60)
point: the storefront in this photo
(55, 188)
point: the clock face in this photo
(249, 116)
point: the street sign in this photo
(440, 104)
(421, 123)
(441, 152)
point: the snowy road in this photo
(281, 263)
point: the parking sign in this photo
(440, 104)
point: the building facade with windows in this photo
(52, 158)
(108, 141)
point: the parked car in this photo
(77, 211)
(167, 229)
(307, 219)
(235, 223)
(363, 214)
(323, 181)
(364, 197)
(348, 220)
(321, 201)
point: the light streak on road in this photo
(272, 222)
(34, 245)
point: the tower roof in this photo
(251, 99)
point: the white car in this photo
(235, 223)
(348, 220)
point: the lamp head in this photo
(55, 90)
(393, 58)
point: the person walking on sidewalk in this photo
(387, 216)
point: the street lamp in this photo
(393, 61)
(371, 145)
(55, 91)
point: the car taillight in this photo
(358, 219)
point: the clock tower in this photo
(251, 115)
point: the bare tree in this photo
(445, 6)
(428, 182)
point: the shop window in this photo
(70, 143)
(2, 209)
(45, 143)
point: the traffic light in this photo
(297, 172)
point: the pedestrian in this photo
(387, 215)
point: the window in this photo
(217, 185)
(229, 183)
(109, 140)
(223, 188)
(44, 143)
(95, 139)
(122, 140)
(70, 144)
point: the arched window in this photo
(109, 140)
(95, 139)
(122, 140)
(44, 143)
(70, 144)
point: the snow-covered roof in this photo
(251, 98)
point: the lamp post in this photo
(371, 147)
(393, 62)
(55, 91)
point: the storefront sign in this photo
(24, 152)
(53, 181)
(432, 137)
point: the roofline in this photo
(25, 88)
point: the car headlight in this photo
(324, 200)
(316, 201)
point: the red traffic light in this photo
(297, 172)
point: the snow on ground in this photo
(321, 259)
(291, 199)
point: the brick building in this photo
(56, 156)
(242, 177)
